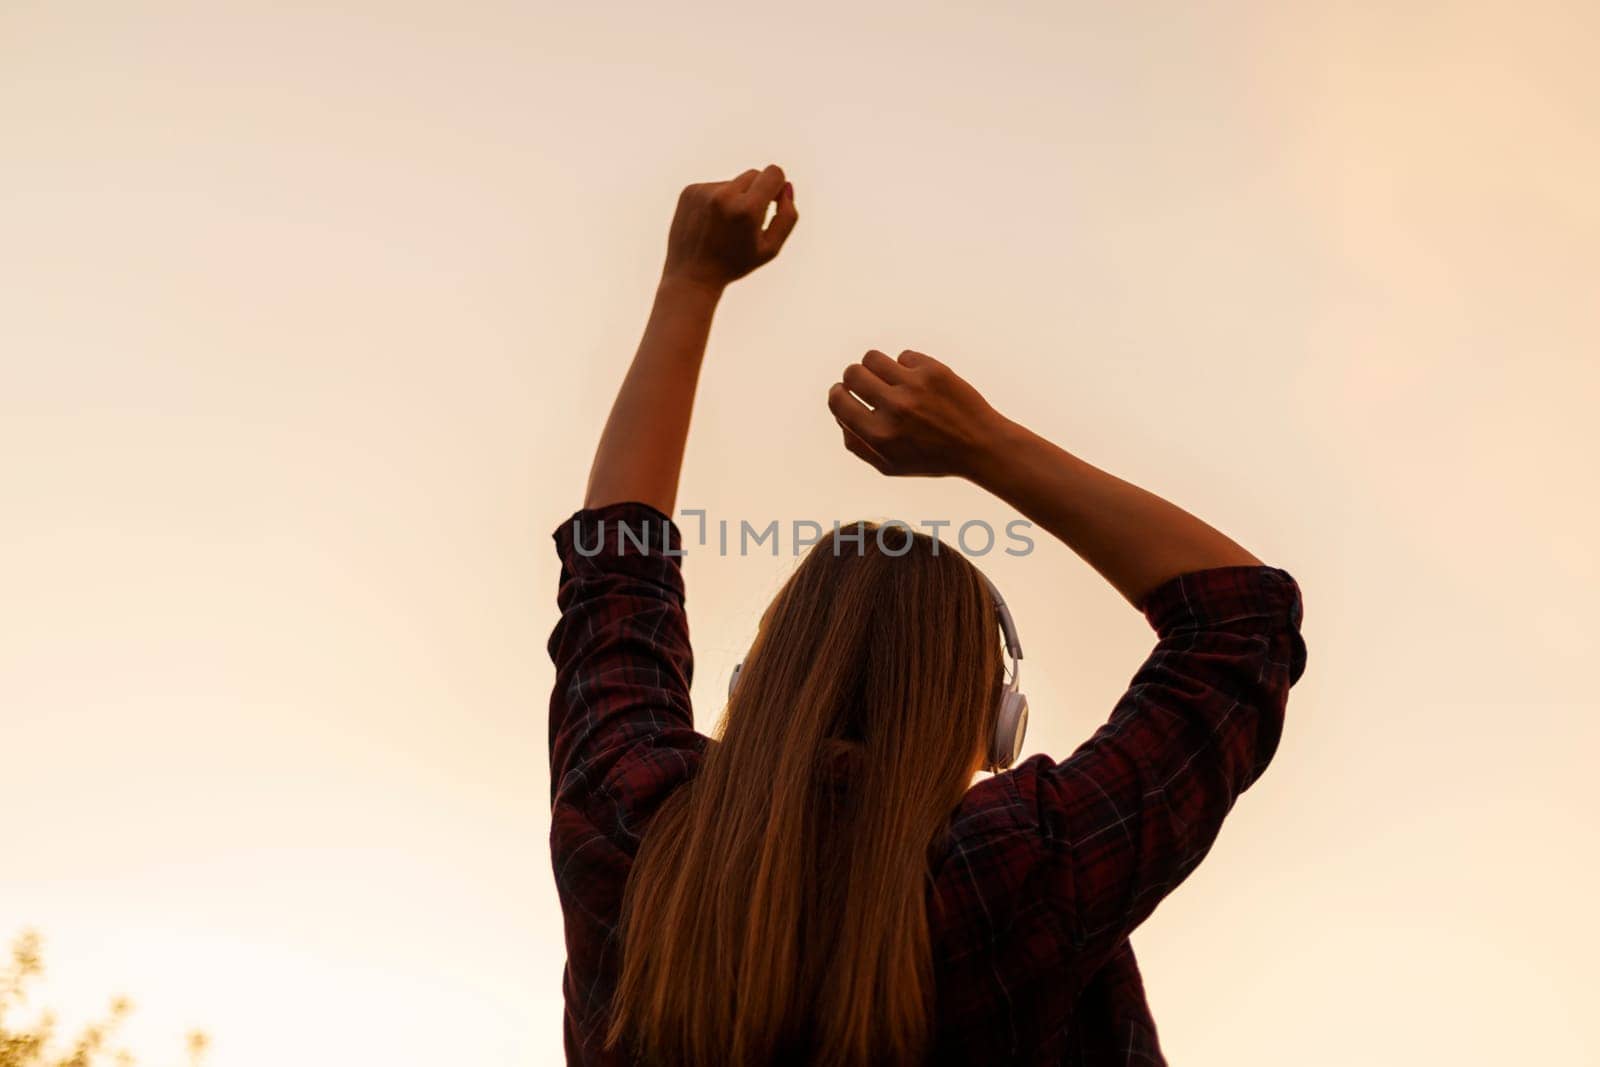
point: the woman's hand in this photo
(914, 415)
(717, 233)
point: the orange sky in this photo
(308, 320)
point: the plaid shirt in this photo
(1040, 874)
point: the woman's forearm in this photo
(641, 449)
(1133, 538)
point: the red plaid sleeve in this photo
(621, 652)
(1049, 867)
(1138, 805)
(621, 731)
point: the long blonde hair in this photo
(776, 909)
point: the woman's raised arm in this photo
(924, 419)
(717, 236)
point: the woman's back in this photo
(1037, 876)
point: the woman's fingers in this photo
(782, 223)
(765, 188)
(865, 384)
(742, 183)
(852, 414)
(884, 367)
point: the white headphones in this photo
(1011, 724)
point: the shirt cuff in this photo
(1268, 597)
(629, 538)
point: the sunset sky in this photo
(309, 319)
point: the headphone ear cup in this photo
(1010, 727)
(733, 679)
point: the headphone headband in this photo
(1007, 626)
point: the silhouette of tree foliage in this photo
(36, 1043)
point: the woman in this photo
(822, 883)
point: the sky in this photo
(309, 320)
